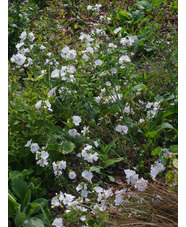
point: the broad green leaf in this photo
(19, 186)
(20, 217)
(156, 151)
(112, 161)
(164, 126)
(26, 201)
(42, 201)
(139, 87)
(33, 222)
(96, 169)
(142, 5)
(34, 208)
(173, 149)
(175, 163)
(137, 14)
(12, 206)
(123, 15)
(67, 146)
(171, 110)
(153, 133)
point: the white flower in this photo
(31, 36)
(123, 41)
(108, 83)
(141, 184)
(149, 104)
(123, 129)
(156, 168)
(87, 175)
(141, 121)
(96, 144)
(89, 7)
(126, 109)
(28, 143)
(38, 104)
(113, 70)
(52, 92)
(48, 105)
(85, 130)
(58, 222)
(98, 189)
(76, 120)
(23, 36)
(55, 73)
(124, 58)
(44, 154)
(131, 176)
(42, 47)
(118, 200)
(42, 162)
(62, 165)
(19, 59)
(72, 175)
(117, 30)
(34, 147)
(98, 62)
(108, 193)
(79, 187)
(18, 45)
(55, 202)
(72, 132)
(112, 45)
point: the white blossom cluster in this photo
(88, 155)
(68, 54)
(154, 109)
(127, 42)
(95, 8)
(132, 178)
(58, 167)
(41, 157)
(123, 129)
(66, 73)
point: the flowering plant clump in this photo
(92, 114)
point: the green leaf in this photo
(34, 208)
(142, 5)
(173, 149)
(137, 15)
(111, 178)
(42, 201)
(33, 222)
(171, 110)
(156, 151)
(164, 126)
(123, 15)
(175, 163)
(139, 87)
(153, 133)
(112, 161)
(109, 146)
(68, 146)
(19, 186)
(20, 217)
(26, 201)
(96, 169)
(12, 206)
